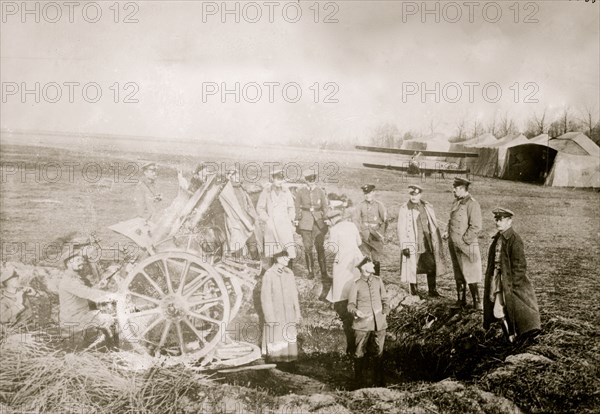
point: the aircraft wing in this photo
(453, 154)
(421, 169)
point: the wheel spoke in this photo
(144, 313)
(153, 283)
(206, 307)
(148, 298)
(197, 284)
(183, 275)
(150, 327)
(163, 337)
(167, 275)
(204, 318)
(193, 328)
(205, 301)
(180, 336)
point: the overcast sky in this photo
(373, 52)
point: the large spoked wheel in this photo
(174, 305)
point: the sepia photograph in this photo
(300, 206)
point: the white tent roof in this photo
(575, 143)
(509, 139)
(481, 140)
(540, 139)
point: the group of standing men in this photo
(355, 288)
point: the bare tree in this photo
(536, 125)
(506, 126)
(386, 135)
(588, 114)
(492, 127)
(477, 128)
(461, 130)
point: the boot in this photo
(359, 368)
(379, 372)
(323, 267)
(413, 289)
(310, 265)
(431, 286)
(377, 266)
(461, 293)
(506, 331)
(474, 288)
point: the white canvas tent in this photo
(571, 160)
(480, 141)
(435, 142)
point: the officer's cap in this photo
(367, 188)
(501, 212)
(415, 189)
(461, 182)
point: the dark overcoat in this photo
(521, 303)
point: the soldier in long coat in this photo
(462, 234)
(344, 240)
(420, 242)
(508, 294)
(311, 205)
(281, 311)
(371, 220)
(277, 212)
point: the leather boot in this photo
(506, 331)
(413, 289)
(474, 288)
(359, 368)
(377, 266)
(461, 293)
(323, 267)
(431, 286)
(379, 372)
(310, 265)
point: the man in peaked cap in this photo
(76, 294)
(420, 242)
(276, 211)
(463, 230)
(311, 205)
(509, 297)
(368, 302)
(147, 198)
(372, 224)
(344, 239)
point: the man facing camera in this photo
(508, 294)
(367, 301)
(462, 234)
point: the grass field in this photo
(560, 228)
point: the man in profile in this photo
(78, 300)
(147, 198)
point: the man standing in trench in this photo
(462, 235)
(368, 302)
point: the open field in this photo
(560, 228)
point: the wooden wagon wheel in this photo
(175, 305)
